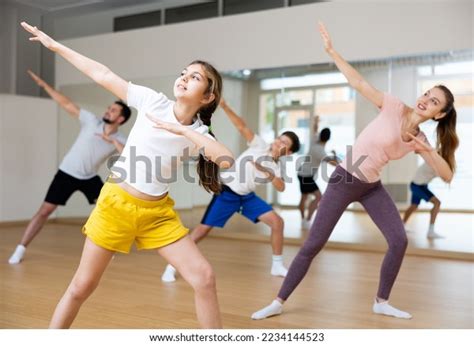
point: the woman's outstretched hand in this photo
(325, 37)
(39, 36)
(421, 142)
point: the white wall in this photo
(280, 37)
(28, 154)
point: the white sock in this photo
(275, 308)
(17, 255)
(306, 224)
(168, 275)
(432, 233)
(277, 266)
(386, 309)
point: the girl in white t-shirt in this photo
(134, 207)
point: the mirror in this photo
(288, 98)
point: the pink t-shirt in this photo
(380, 142)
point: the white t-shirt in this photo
(150, 159)
(424, 174)
(243, 177)
(312, 160)
(89, 151)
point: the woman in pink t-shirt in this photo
(391, 135)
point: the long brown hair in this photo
(208, 171)
(447, 139)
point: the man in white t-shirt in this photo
(97, 141)
(309, 169)
(259, 164)
(420, 191)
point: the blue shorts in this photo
(225, 204)
(420, 192)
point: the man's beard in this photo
(107, 121)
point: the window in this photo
(293, 118)
(458, 78)
(192, 12)
(244, 6)
(336, 109)
(302, 81)
(294, 98)
(294, 110)
(267, 117)
(303, 2)
(136, 21)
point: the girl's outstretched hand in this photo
(325, 37)
(39, 36)
(168, 126)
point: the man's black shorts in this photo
(307, 184)
(64, 185)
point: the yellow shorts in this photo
(119, 219)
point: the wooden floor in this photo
(337, 292)
(356, 231)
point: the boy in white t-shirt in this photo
(259, 164)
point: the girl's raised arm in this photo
(99, 73)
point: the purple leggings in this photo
(343, 188)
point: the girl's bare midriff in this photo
(137, 194)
